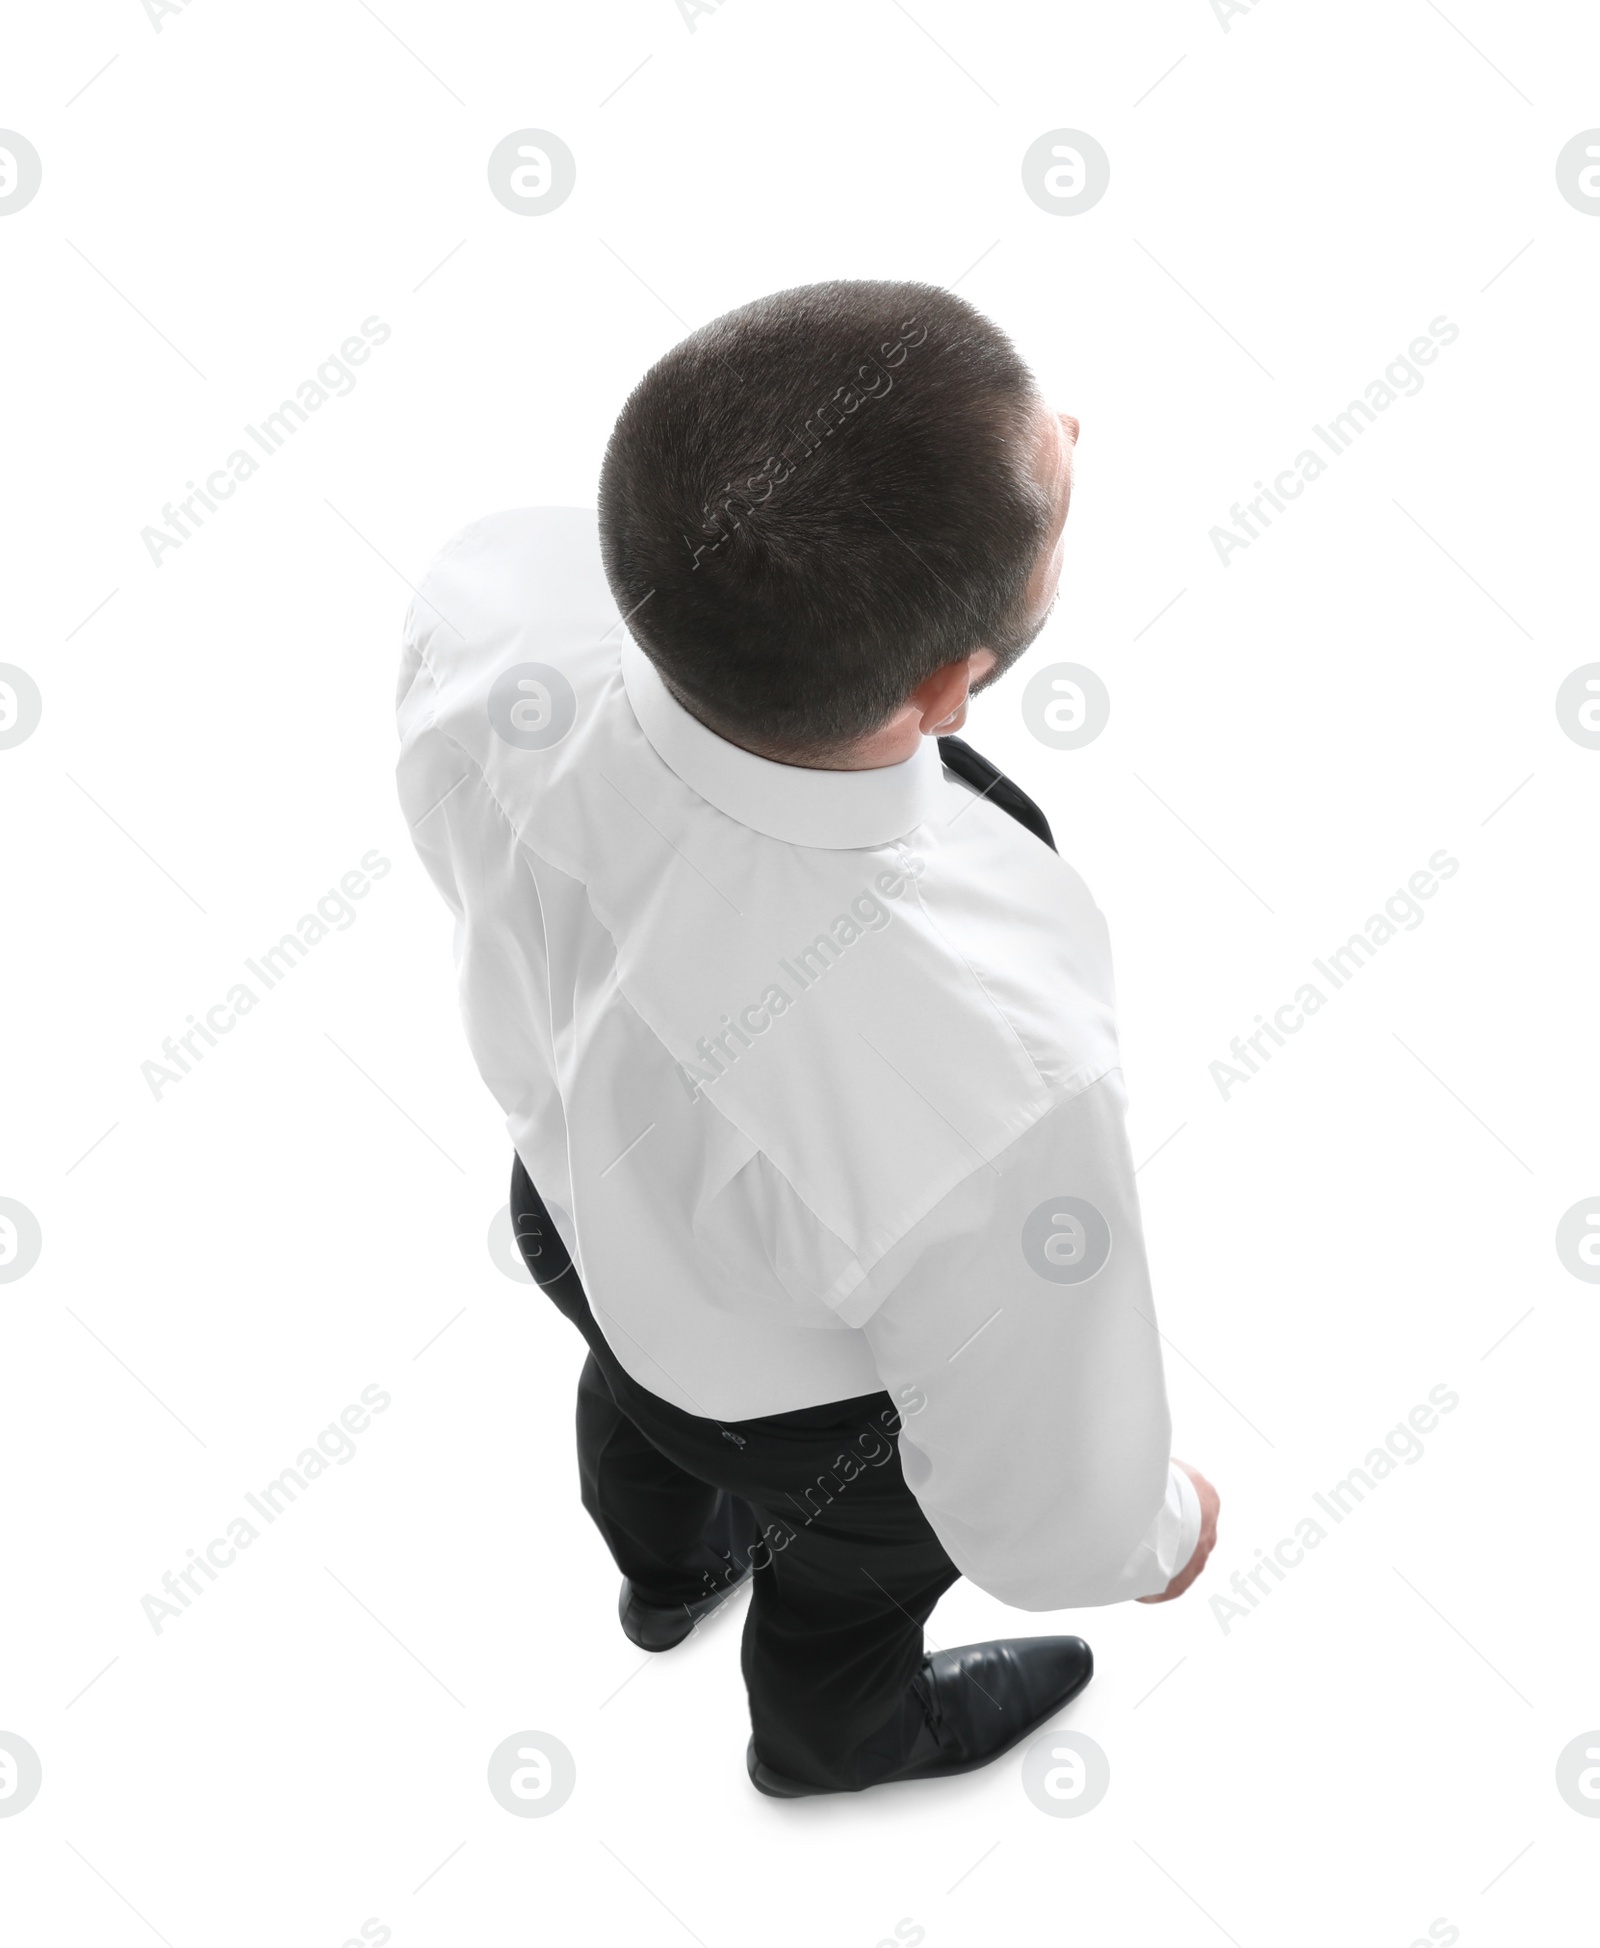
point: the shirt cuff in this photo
(1189, 1502)
(1169, 1542)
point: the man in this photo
(802, 1030)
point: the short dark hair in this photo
(813, 502)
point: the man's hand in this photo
(1210, 1503)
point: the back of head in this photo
(815, 501)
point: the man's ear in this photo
(941, 695)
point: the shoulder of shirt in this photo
(526, 573)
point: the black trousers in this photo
(847, 1569)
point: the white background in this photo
(1373, 1747)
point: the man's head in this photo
(831, 508)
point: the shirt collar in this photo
(837, 809)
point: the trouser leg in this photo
(672, 1535)
(834, 1634)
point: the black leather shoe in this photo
(977, 1702)
(662, 1626)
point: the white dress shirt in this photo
(816, 1071)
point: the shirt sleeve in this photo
(473, 857)
(1018, 1338)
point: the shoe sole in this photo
(777, 1786)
